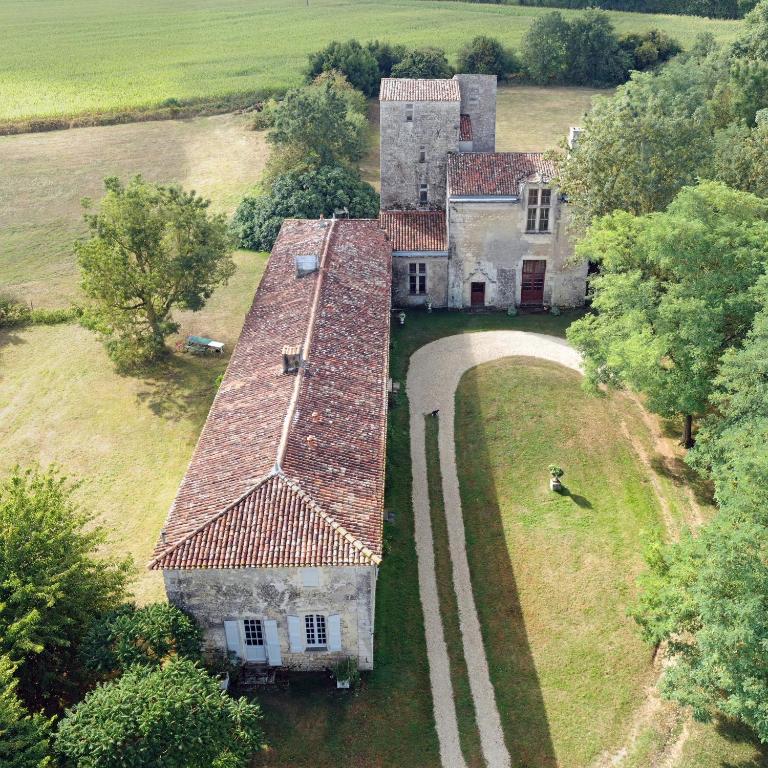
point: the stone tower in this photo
(422, 121)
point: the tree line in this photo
(668, 188)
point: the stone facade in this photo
(415, 152)
(282, 595)
(437, 279)
(478, 100)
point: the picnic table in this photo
(199, 345)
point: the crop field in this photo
(65, 58)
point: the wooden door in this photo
(532, 286)
(477, 294)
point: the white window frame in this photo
(315, 630)
(256, 631)
(417, 278)
(537, 213)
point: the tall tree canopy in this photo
(429, 63)
(173, 716)
(52, 583)
(358, 63)
(673, 295)
(151, 248)
(485, 55)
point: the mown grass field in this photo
(70, 57)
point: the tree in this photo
(357, 63)
(150, 635)
(647, 49)
(317, 123)
(749, 89)
(640, 146)
(487, 56)
(172, 716)
(305, 193)
(752, 42)
(386, 55)
(741, 156)
(151, 248)
(24, 738)
(429, 63)
(545, 51)
(673, 295)
(52, 582)
(593, 51)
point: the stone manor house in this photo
(275, 537)
(469, 226)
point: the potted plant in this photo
(401, 318)
(346, 673)
(428, 304)
(555, 473)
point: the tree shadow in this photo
(682, 476)
(513, 671)
(8, 338)
(738, 733)
(181, 386)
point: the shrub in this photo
(357, 63)
(150, 636)
(172, 716)
(647, 49)
(386, 55)
(429, 63)
(487, 56)
(304, 193)
(545, 49)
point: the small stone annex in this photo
(469, 226)
(275, 537)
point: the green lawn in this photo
(99, 56)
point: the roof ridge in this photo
(191, 534)
(283, 444)
(334, 524)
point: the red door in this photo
(532, 288)
(477, 294)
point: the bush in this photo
(358, 64)
(429, 63)
(647, 49)
(304, 193)
(172, 716)
(487, 56)
(15, 314)
(545, 49)
(148, 636)
(386, 55)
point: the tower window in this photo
(423, 154)
(539, 203)
(417, 278)
(409, 113)
(423, 196)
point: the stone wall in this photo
(488, 243)
(214, 596)
(435, 127)
(478, 100)
(437, 280)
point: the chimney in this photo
(292, 358)
(573, 136)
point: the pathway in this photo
(433, 375)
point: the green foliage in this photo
(151, 248)
(673, 294)
(357, 63)
(544, 51)
(749, 89)
(52, 583)
(337, 81)
(429, 63)
(485, 55)
(741, 156)
(14, 314)
(317, 123)
(650, 139)
(555, 470)
(150, 635)
(304, 193)
(386, 55)
(648, 49)
(173, 716)
(752, 43)
(24, 738)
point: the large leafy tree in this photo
(429, 63)
(640, 146)
(752, 42)
(741, 156)
(544, 51)
(359, 64)
(317, 123)
(305, 193)
(151, 248)
(485, 55)
(673, 295)
(150, 635)
(172, 716)
(24, 738)
(52, 582)
(594, 54)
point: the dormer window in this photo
(292, 358)
(409, 113)
(539, 203)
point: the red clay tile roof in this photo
(289, 468)
(406, 89)
(415, 230)
(465, 128)
(494, 174)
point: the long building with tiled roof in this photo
(285, 489)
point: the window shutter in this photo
(273, 643)
(232, 632)
(295, 636)
(334, 632)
